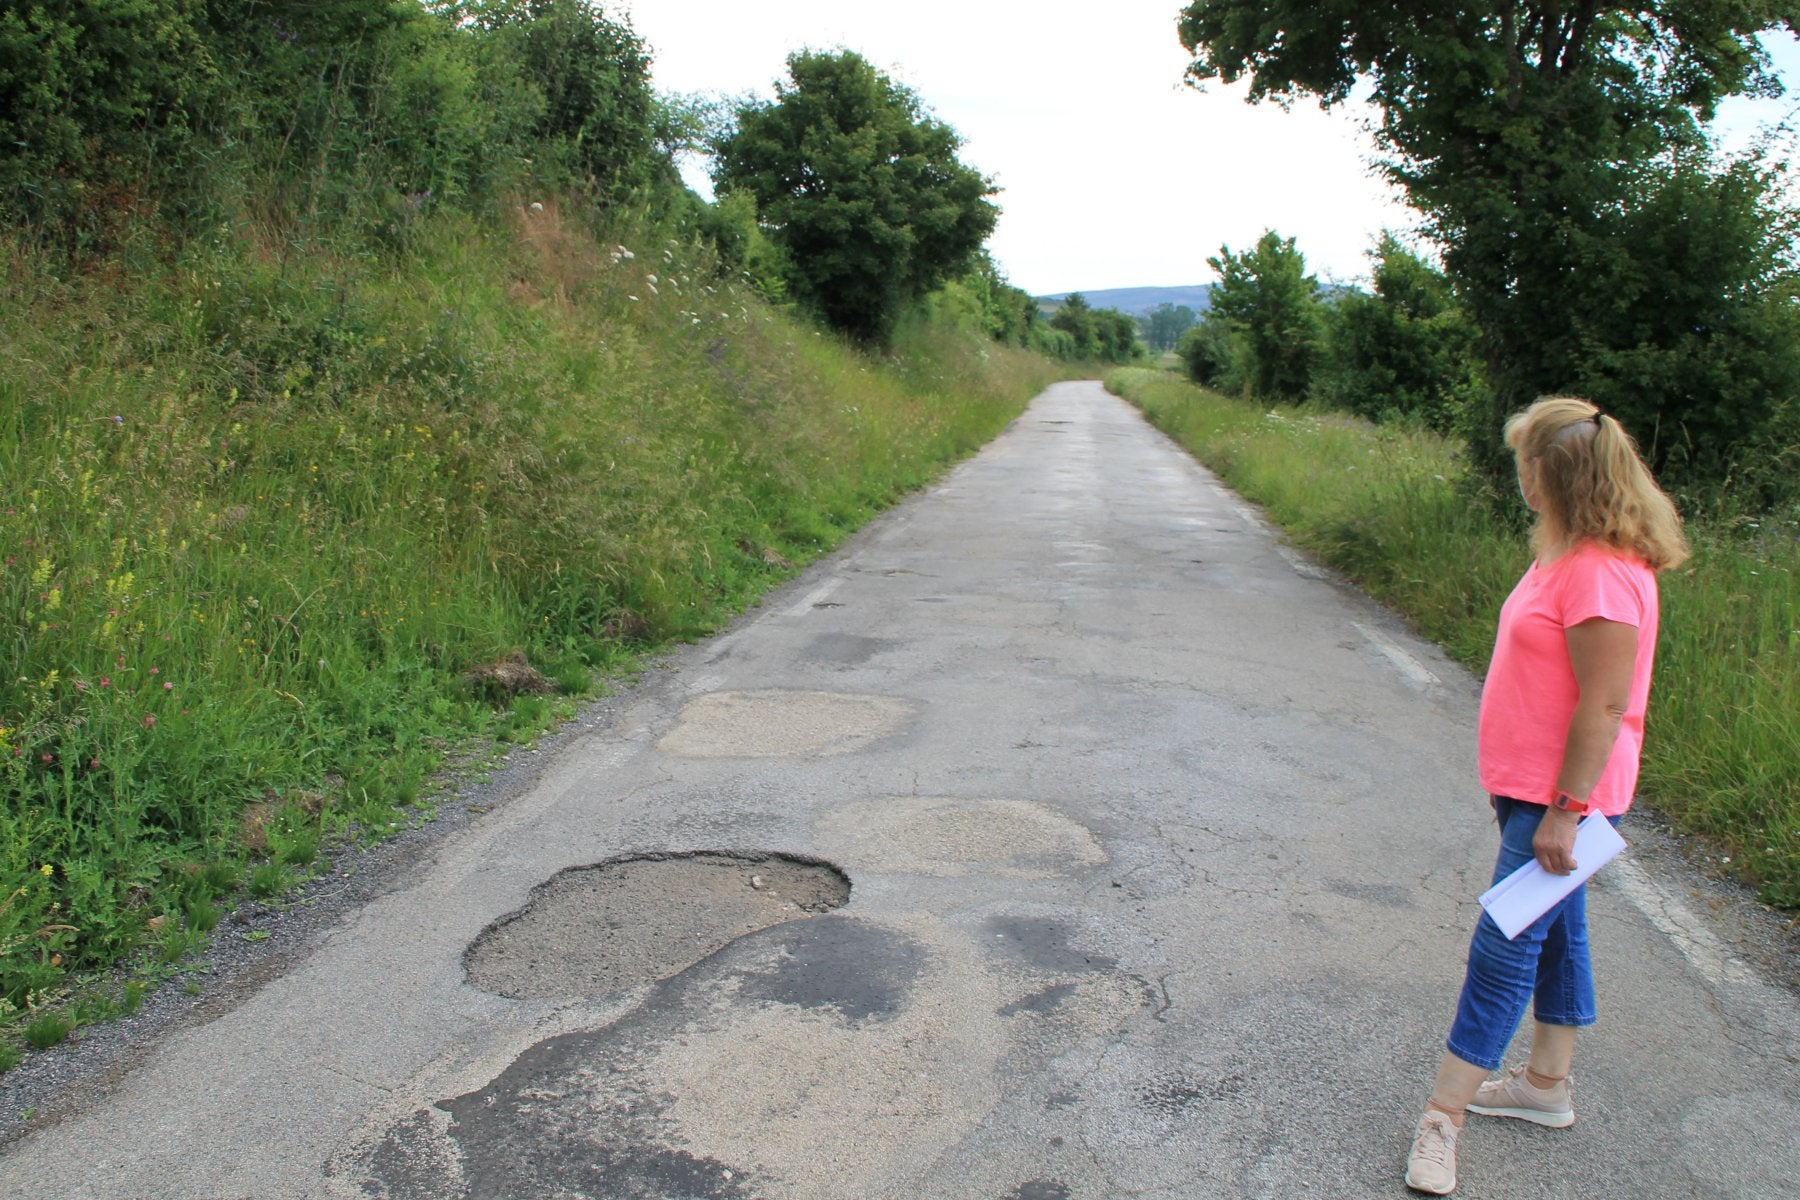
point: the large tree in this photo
(860, 187)
(1518, 130)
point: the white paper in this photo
(1530, 892)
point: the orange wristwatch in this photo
(1569, 803)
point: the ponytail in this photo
(1593, 484)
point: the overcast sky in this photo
(1113, 174)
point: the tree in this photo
(1515, 129)
(1097, 334)
(589, 82)
(1408, 348)
(1075, 318)
(1268, 300)
(1165, 324)
(860, 188)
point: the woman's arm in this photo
(1604, 656)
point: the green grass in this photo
(263, 509)
(1384, 506)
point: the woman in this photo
(1561, 725)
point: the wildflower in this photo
(106, 681)
(149, 720)
(156, 670)
(46, 870)
(50, 758)
(167, 686)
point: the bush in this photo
(1206, 353)
(1407, 350)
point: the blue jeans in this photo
(1547, 962)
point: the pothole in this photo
(941, 835)
(766, 724)
(618, 924)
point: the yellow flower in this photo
(47, 870)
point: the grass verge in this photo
(282, 527)
(1383, 506)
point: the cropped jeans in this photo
(1546, 964)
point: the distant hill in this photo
(1138, 302)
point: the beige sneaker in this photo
(1513, 1095)
(1431, 1167)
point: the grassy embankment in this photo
(1381, 505)
(264, 510)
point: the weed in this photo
(202, 915)
(47, 1029)
(268, 880)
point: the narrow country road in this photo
(1161, 852)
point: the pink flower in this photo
(106, 681)
(80, 686)
(49, 758)
(156, 670)
(168, 687)
(149, 720)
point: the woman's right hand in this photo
(1554, 842)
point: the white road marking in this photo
(1298, 561)
(814, 597)
(1407, 665)
(1704, 952)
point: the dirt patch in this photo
(501, 681)
(618, 924)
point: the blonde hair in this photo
(1591, 483)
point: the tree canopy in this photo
(859, 186)
(1523, 133)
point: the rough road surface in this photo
(1062, 838)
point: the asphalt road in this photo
(1063, 837)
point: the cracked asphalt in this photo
(1162, 851)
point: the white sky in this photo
(1112, 173)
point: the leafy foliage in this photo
(1523, 132)
(859, 187)
(1269, 302)
(1408, 349)
(1097, 334)
(1165, 325)
(1206, 352)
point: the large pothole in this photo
(618, 924)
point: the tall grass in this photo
(263, 512)
(1382, 504)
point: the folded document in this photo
(1530, 892)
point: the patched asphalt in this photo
(1064, 836)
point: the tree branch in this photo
(1572, 56)
(1515, 58)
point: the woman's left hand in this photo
(1554, 842)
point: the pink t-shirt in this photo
(1530, 691)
